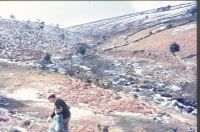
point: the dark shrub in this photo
(82, 50)
(169, 26)
(174, 47)
(42, 25)
(12, 16)
(47, 59)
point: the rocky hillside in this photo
(129, 53)
(26, 40)
(24, 107)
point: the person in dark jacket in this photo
(60, 108)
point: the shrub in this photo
(169, 26)
(47, 59)
(81, 50)
(174, 47)
(42, 25)
(12, 16)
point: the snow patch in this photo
(175, 88)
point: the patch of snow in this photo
(117, 64)
(85, 67)
(138, 71)
(175, 88)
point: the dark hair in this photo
(51, 96)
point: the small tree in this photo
(46, 60)
(174, 47)
(12, 16)
(82, 50)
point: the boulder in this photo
(17, 129)
(26, 123)
(186, 102)
(166, 95)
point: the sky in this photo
(70, 13)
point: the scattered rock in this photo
(135, 96)
(172, 130)
(186, 102)
(189, 110)
(117, 97)
(17, 129)
(26, 123)
(137, 90)
(166, 95)
(158, 89)
(2, 119)
(11, 111)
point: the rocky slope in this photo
(24, 105)
(128, 55)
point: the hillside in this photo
(23, 105)
(116, 65)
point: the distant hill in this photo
(25, 40)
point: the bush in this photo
(47, 59)
(42, 25)
(12, 16)
(174, 47)
(81, 50)
(169, 26)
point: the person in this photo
(61, 112)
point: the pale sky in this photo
(70, 13)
